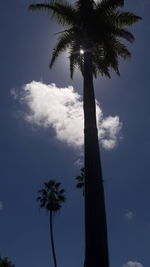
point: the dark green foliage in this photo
(101, 22)
(81, 180)
(52, 196)
(5, 262)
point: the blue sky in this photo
(32, 151)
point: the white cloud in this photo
(129, 215)
(109, 129)
(96, 1)
(62, 109)
(79, 162)
(1, 205)
(133, 264)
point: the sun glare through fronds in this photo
(81, 51)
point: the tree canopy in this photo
(98, 26)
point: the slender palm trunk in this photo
(96, 246)
(52, 239)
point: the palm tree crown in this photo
(52, 196)
(91, 25)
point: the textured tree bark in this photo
(52, 239)
(96, 245)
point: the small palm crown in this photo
(51, 196)
(95, 26)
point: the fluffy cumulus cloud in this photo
(62, 109)
(133, 264)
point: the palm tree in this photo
(92, 37)
(5, 262)
(51, 197)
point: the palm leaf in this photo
(63, 43)
(110, 4)
(63, 12)
(121, 19)
(75, 58)
(100, 66)
(80, 185)
(34, 7)
(121, 50)
(75, 61)
(123, 33)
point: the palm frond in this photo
(123, 33)
(84, 6)
(61, 191)
(80, 185)
(75, 61)
(63, 43)
(121, 50)
(63, 12)
(110, 4)
(62, 198)
(75, 58)
(35, 7)
(111, 56)
(81, 180)
(57, 184)
(100, 65)
(121, 19)
(98, 57)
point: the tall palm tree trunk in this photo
(52, 239)
(96, 246)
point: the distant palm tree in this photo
(5, 262)
(51, 197)
(92, 37)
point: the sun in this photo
(81, 51)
